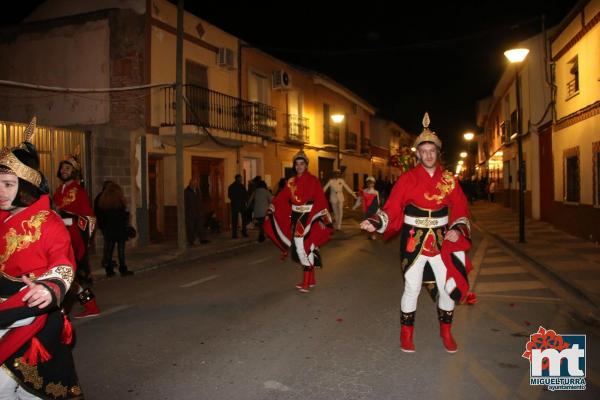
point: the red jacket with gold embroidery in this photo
(435, 192)
(299, 191)
(73, 203)
(33, 242)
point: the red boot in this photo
(407, 320)
(88, 301)
(91, 310)
(406, 339)
(303, 286)
(447, 338)
(311, 279)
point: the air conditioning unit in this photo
(281, 80)
(225, 57)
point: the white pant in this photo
(413, 281)
(338, 212)
(11, 390)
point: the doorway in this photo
(546, 175)
(325, 169)
(210, 171)
(155, 201)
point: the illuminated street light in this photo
(337, 118)
(468, 136)
(463, 154)
(461, 162)
(516, 56)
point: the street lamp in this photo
(338, 119)
(463, 154)
(468, 136)
(516, 56)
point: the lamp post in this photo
(516, 56)
(468, 136)
(338, 119)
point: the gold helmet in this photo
(300, 155)
(427, 135)
(23, 161)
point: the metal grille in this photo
(52, 145)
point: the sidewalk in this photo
(573, 261)
(158, 255)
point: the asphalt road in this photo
(234, 327)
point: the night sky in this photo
(406, 59)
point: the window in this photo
(571, 163)
(573, 83)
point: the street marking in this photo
(274, 385)
(192, 283)
(487, 287)
(260, 260)
(502, 270)
(507, 322)
(478, 259)
(512, 298)
(105, 313)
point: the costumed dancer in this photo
(429, 210)
(299, 222)
(75, 208)
(369, 199)
(37, 267)
(336, 186)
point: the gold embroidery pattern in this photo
(76, 390)
(32, 232)
(418, 238)
(65, 273)
(445, 187)
(69, 198)
(292, 186)
(440, 237)
(56, 390)
(30, 373)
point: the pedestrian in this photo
(113, 264)
(194, 213)
(370, 200)
(73, 205)
(430, 211)
(336, 186)
(238, 198)
(260, 199)
(299, 222)
(492, 191)
(113, 221)
(35, 335)
(280, 185)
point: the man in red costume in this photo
(36, 270)
(298, 220)
(75, 208)
(430, 211)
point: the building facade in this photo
(575, 139)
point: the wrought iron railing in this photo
(351, 141)
(216, 110)
(297, 128)
(365, 146)
(331, 135)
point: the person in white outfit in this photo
(336, 186)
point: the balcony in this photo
(297, 128)
(205, 107)
(331, 135)
(351, 141)
(365, 146)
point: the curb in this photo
(591, 317)
(177, 259)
